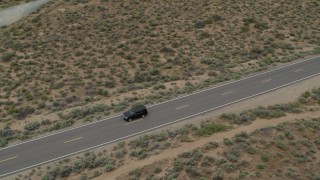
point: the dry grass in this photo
(71, 50)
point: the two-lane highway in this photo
(42, 150)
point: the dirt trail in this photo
(13, 14)
(171, 153)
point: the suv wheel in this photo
(130, 119)
(143, 115)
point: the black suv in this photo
(136, 112)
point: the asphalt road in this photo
(13, 14)
(42, 150)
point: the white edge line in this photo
(197, 92)
(162, 125)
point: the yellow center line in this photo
(298, 70)
(182, 107)
(266, 81)
(133, 122)
(226, 93)
(8, 159)
(73, 140)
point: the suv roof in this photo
(139, 108)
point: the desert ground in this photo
(104, 56)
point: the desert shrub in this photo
(230, 167)
(290, 107)
(281, 145)
(120, 145)
(289, 135)
(207, 161)
(79, 166)
(243, 118)
(184, 131)
(306, 143)
(227, 141)
(7, 56)
(22, 113)
(218, 162)
(264, 113)
(45, 122)
(232, 155)
(7, 133)
(141, 154)
(142, 142)
(246, 118)
(302, 100)
(209, 129)
(52, 174)
(186, 138)
(306, 94)
(32, 126)
(120, 107)
(65, 171)
(178, 165)
(110, 84)
(187, 154)
(137, 172)
(314, 124)
(71, 99)
(250, 149)
(161, 137)
(120, 154)
(218, 175)
(3, 142)
(230, 116)
(317, 142)
(261, 166)
(192, 170)
(41, 105)
(109, 167)
(211, 61)
(61, 124)
(157, 170)
(172, 133)
(211, 145)
(243, 163)
(82, 113)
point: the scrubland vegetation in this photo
(119, 53)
